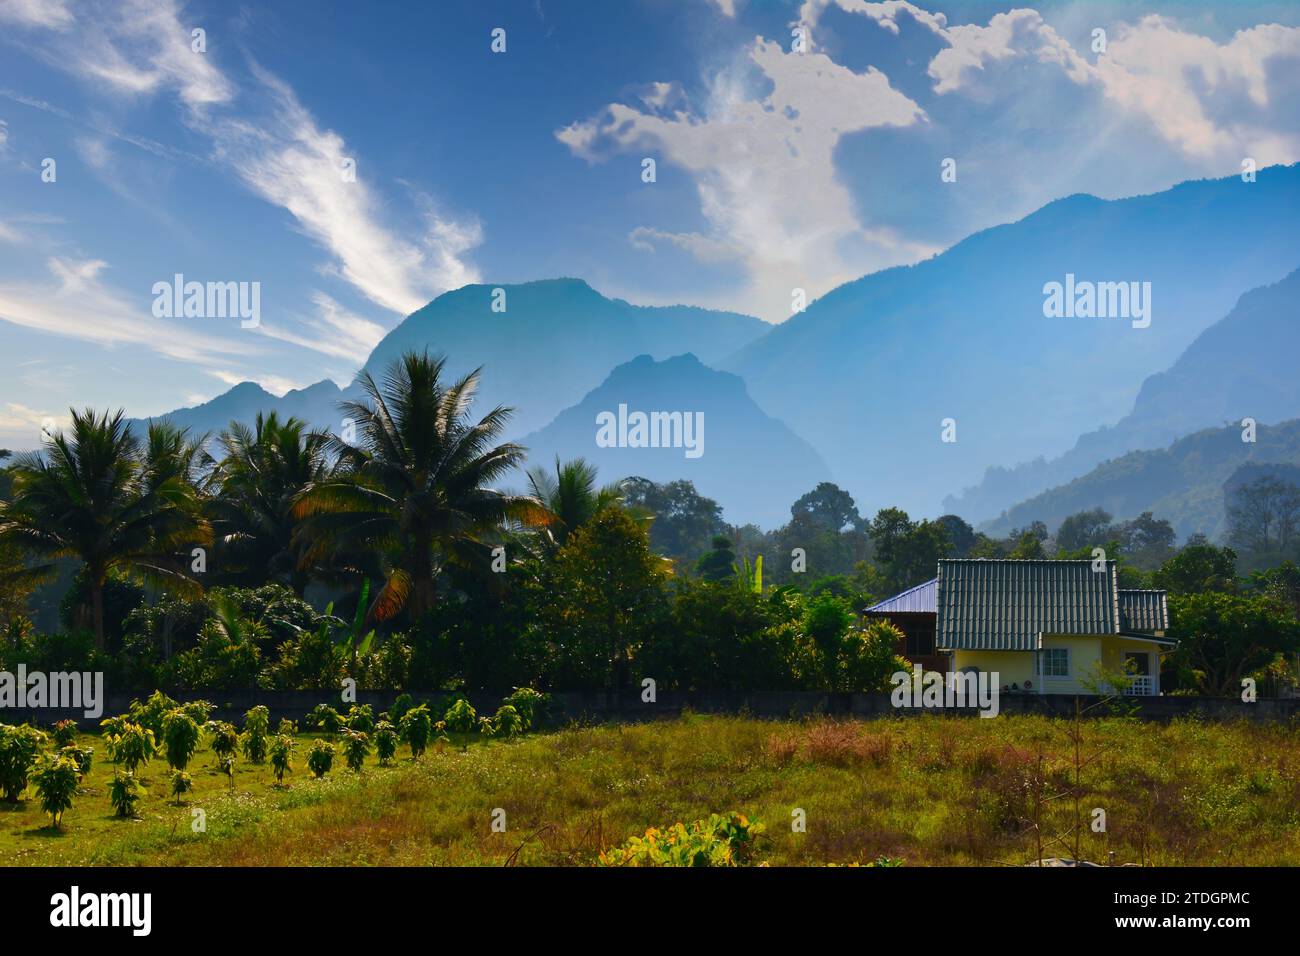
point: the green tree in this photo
(261, 474)
(417, 487)
(684, 520)
(718, 564)
(830, 507)
(1197, 568)
(1223, 638)
(1085, 530)
(572, 497)
(98, 495)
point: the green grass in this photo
(928, 790)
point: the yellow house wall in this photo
(1086, 651)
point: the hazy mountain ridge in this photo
(869, 372)
(1242, 366)
(751, 463)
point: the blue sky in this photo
(775, 169)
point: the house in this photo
(1047, 627)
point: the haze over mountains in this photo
(856, 388)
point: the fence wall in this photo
(628, 706)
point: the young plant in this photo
(64, 733)
(151, 713)
(134, 746)
(18, 749)
(324, 717)
(81, 756)
(361, 717)
(401, 705)
(320, 758)
(257, 728)
(124, 793)
(461, 718)
(282, 756)
(416, 726)
(532, 706)
(180, 738)
(224, 738)
(182, 783)
(356, 744)
(287, 726)
(56, 782)
(385, 741)
(507, 722)
(111, 730)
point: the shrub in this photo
(257, 727)
(282, 756)
(224, 738)
(111, 729)
(356, 744)
(198, 711)
(324, 717)
(721, 840)
(532, 706)
(182, 783)
(400, 706)
(507, 722)
(320, 758)
(134, 746)
(361, 717)
(287, 726)
(81, 756)
(416, 727)
(18, 749)
(64, 733)
(385, 741)
(461, 718)
(56, 782)
(180, 738)
(124, 793)
(151, 713)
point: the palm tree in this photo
(257, 482)
(416, 488)
(101, 497)
(571, 496)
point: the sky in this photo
(357, 160)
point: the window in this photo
(1054, 662)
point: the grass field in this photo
(926, 791)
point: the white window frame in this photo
(1040, 670)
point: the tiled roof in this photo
(1005, 605)
(916, 600)
(1143, 610)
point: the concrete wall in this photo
(628, 706)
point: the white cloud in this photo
(275, 384)
(77, 304)
(4, 135)
(333, 331)
(52, 14)
(763, 166)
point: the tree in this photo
(607, 591)
(1223, 638)
(1147, 540)
(1197, 568)
(417, 488)
(1264, 516)
(830, 506)
(718, 564)
(571, 496)
(99, 496)
(257, 482)
(684, 520)
(961, 534)
(1085, 530)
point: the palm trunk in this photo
(97, 609)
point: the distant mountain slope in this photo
(1183, 483)
(868, 373)
(316, 404)
(1242, 366)
(556, 340)
(750, 463)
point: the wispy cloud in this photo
(332, 331)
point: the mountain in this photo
(750, 463)
(1242, 366)
(315, 404)
(556, 340)
(1184, 483)
(869, 373)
